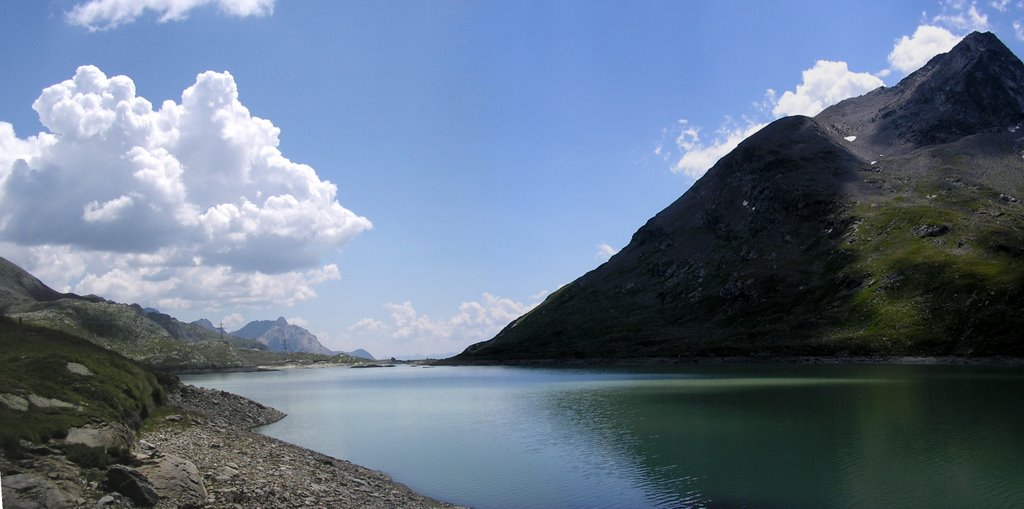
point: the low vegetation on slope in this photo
(52, 381)
(938, 256)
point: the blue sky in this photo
(424, 171)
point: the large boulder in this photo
(176, 478)
(32, 491)
(132, 484)
(105, 435)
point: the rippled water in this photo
(697, 436)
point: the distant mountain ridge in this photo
(889, 224)
(208, 325)
(361, 354)
(254, 329)
(152, 338)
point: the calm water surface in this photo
(696, 436)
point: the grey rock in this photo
(78, 369)
(132, 484)
(31, 491)
(176, 478)
(38, 449)
(931, 230)
(101, 435)
(44, 402)
(14, 402)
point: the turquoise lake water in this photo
(691, 436)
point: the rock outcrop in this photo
(35, 491)
(103, 435)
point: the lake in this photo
(690, 436)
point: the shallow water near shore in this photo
(689, 436)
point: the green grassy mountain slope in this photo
(890, 224)
(37, 371)
(154, 339)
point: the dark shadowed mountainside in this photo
(889, 224)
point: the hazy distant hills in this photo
(361, 354)
(208, 325)
(889, 224)
(281, 336)
(153, 338)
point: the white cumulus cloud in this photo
(911, 53)
(823, 85)
(107, 14)
(159, 198)
(368, 326)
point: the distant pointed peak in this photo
(281, 321)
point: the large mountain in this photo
(281, 336)
(890, 223)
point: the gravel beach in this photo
(199, 452)
(241, 468)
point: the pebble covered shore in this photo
(241, 468)
(199, 452)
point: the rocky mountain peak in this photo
(977, 87)
(281, 336)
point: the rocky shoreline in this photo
(241, 468)
(767, 359)
(204, 456)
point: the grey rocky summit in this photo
(281, 336)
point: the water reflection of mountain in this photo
(860, 436)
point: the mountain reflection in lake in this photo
(691, 436)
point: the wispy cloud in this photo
(698, 155)
(963, 18)
(604, 252)
(407, 330)
(107, 14)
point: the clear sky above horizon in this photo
(404, 177)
